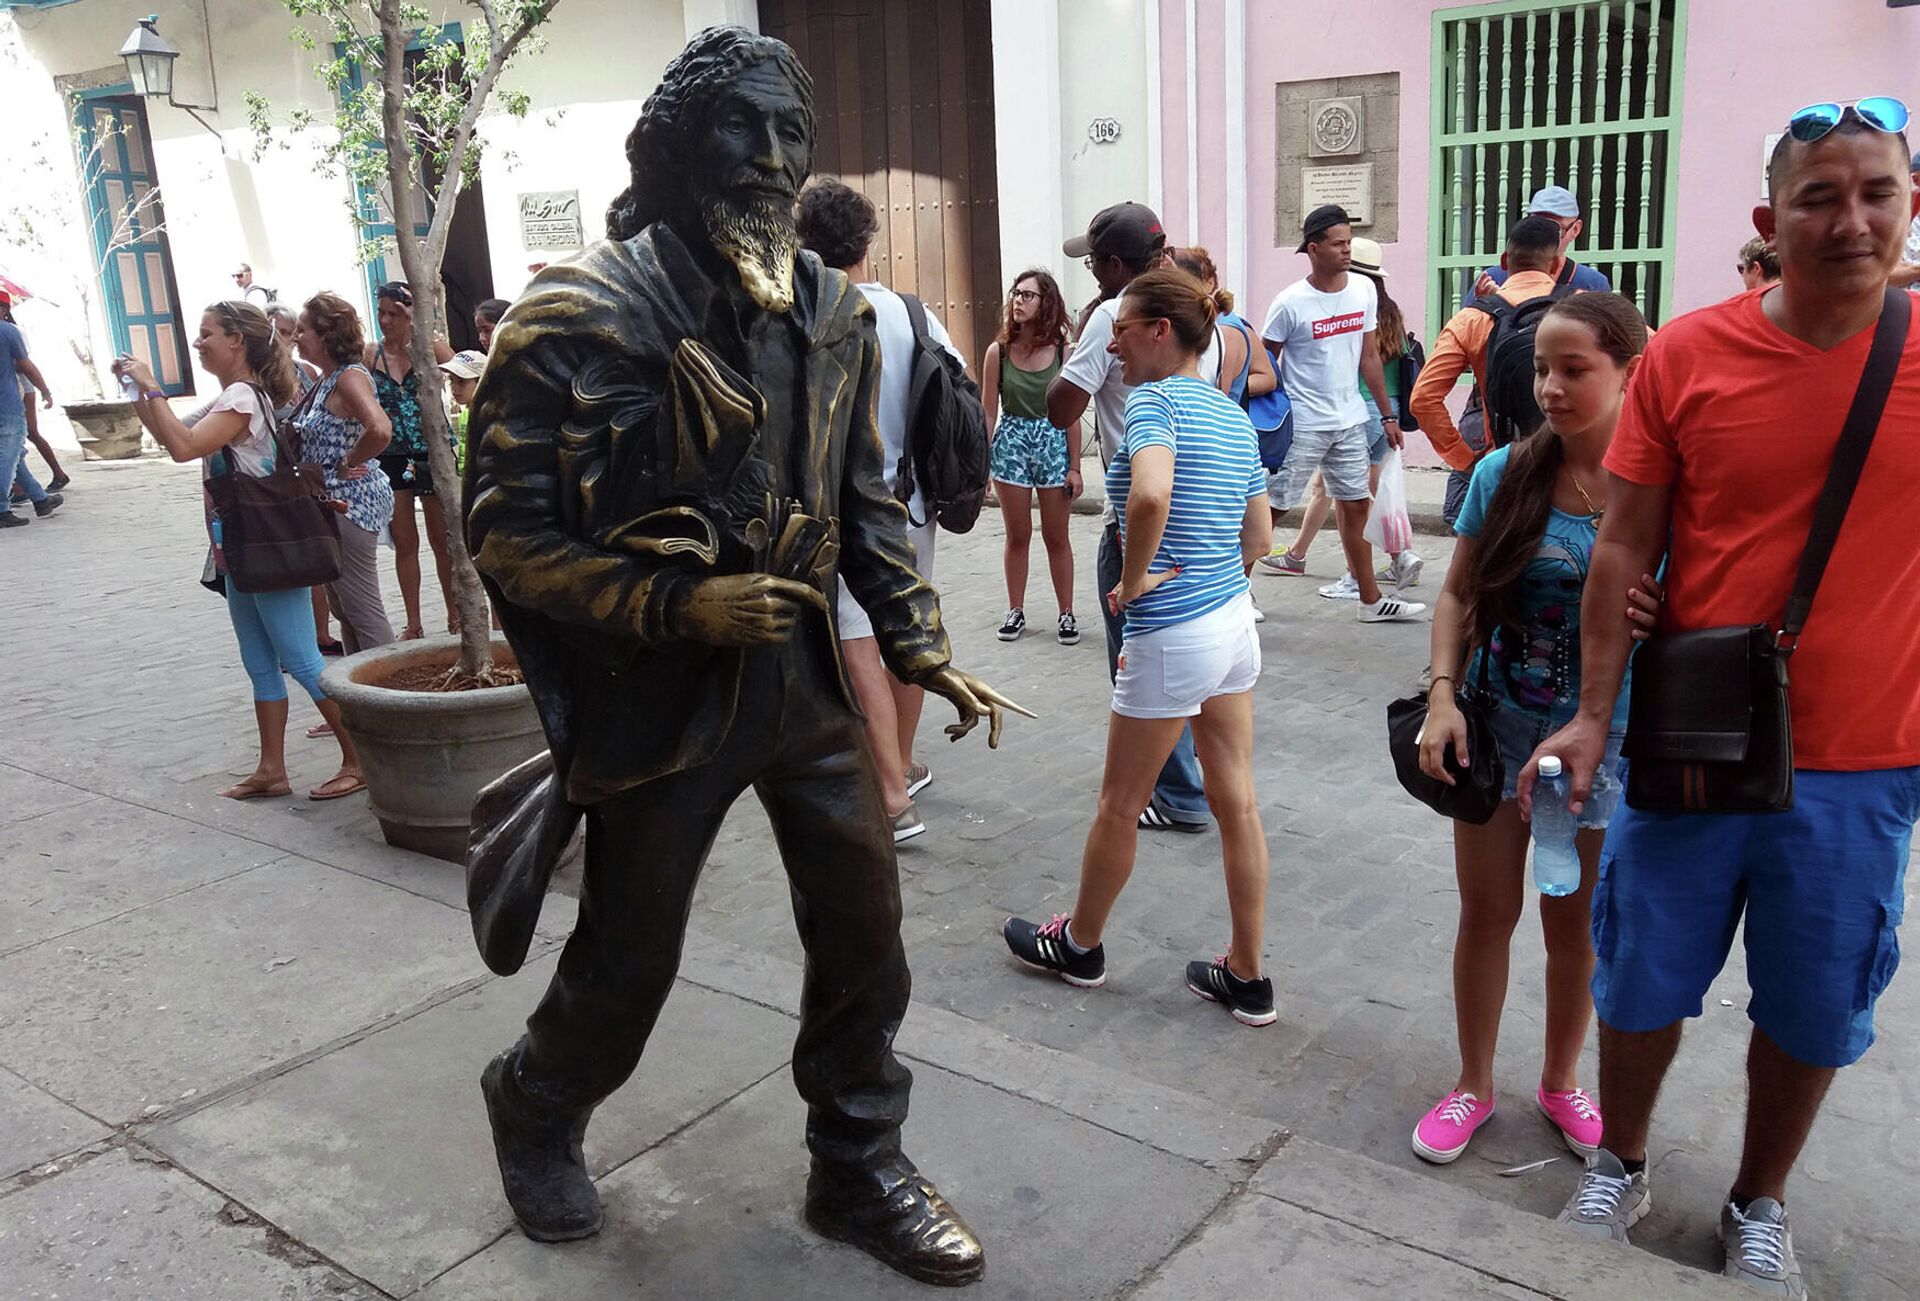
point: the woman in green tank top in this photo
(1029, 454)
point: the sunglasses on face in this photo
(1881, 112)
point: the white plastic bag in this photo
(1388, 526)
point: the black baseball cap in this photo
(1322, 218)
(1130, 231)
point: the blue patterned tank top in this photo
(325, 440)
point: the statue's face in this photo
(754, 147)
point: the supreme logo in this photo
(1348, 324)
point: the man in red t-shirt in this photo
(1729, 428)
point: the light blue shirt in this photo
(1216, 469)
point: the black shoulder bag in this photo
(1475, 794)
(1708, 728)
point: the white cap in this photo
(1549, 765)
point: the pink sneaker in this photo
(1444, 1132)
(1574, 1114)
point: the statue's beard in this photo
(759, 238)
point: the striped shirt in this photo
(1216, 469)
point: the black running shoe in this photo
(1013, 625)
(1069, 629)
(58, 482)
(8, 520)
(1250, 1001)
(49, 506)
(1046, 947)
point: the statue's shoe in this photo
(898, 1218)
(541, 1165)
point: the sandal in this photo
(253, 790)
(319, 730)
(325, 790)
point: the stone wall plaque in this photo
(551, 219)
(1351, 187)
(1336, 127)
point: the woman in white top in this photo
(238, 347)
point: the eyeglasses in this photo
(1024, 296)
(1119, 325)
(1881, 112)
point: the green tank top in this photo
(1024, 392)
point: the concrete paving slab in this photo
(1498, 1241)
(82, 864)
(1264, 1248)
(379, 1156)
(26, 795)
(200, 990)
(121, 1229)
(716, 1212)
(37, 1127)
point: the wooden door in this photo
(903, 95)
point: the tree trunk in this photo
(422, 271)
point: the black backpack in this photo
(1511, 411)
(945, 450)
(1411, 363)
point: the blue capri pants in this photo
(275, 629)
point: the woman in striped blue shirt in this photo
(1190, 494)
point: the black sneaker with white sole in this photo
(1156, 818)
(1250, 1001)
(1069, 629)
(1013, 625)
(1045, 947)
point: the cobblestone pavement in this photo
(119, 662)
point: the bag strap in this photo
(1849, 459)
(1566, 272)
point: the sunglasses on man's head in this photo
(1881, 112)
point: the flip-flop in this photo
(248, 790)
(319, 730)
(359, 784)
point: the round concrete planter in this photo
(108, 431)
(427, 754)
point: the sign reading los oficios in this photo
(551, 219)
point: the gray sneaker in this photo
(1608, 1201)
(1760, 1248)
(907, 824)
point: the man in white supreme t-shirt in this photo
(1321, 333)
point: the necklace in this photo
(1593, 510)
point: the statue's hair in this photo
(658, 146)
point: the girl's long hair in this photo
(1049, 323)
(1391, 327)
(1517, 515)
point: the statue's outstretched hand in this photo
(972, 698)
(743, 609)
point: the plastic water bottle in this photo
(1556, 863)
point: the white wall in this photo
(1103, 73)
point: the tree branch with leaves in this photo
(409, 131)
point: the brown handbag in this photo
(276, 530)
(1708, 727)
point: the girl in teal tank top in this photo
(1029, 455)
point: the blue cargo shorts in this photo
(1822, 888)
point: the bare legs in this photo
(875, 688)
(1319, 506)
(1055, 513)
(269, 775)
(442, 560)
(1490, 863)
(1136, 750)
(1783, 1098)
(1016, 513)
(322, 625)
(907, 701)
(406, 559)
(1351, 517)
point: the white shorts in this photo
(853, 620)
(1171, 672)
(1339, 454)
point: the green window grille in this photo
(1587, 95)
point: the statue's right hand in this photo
(744, 609)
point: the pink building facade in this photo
(1729, 75)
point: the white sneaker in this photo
(1343, 588)
(1391, 609)
(1259, 615)
(1402, 572)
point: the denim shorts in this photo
(1519, 733)
(1377, 444)
(1822, 887)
